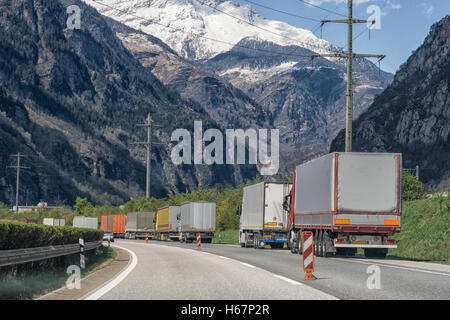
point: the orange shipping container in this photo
(107, 223)
(119, 223)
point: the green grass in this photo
(40, 282)
(425, 231)
(226, 237)
(425, 234)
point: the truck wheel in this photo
(255, 241)
(299, 242)
(351, 252)
(320, 243)
(316, 242)
(375, 253)
(325, 243)
(292, 244)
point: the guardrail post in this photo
(82, 261)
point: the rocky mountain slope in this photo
(251, 76)
(412, 115)
(70, 99)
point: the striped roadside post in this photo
(146, 238)
(308, 255)
(199, 241)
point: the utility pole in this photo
(18, 167)
(148, 145)
(349, 55)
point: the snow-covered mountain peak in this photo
(201, 29)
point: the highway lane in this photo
(346, 278)
(170, 272)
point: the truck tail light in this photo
(388, 222)
(390, 242)
(339, 241)
(341, 221)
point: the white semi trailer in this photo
(54, 222)
(349, 200)
(263, 220)
(85, 222)
(197, 217)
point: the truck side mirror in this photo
(238, 211)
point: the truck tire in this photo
(375, 253)
(325, 243)
(316, 242)
(292, 244)
(319, 243)
(299, 242)
(255, 241)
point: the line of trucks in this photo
(348, 200)
(177, 223)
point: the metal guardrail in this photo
(19, 256)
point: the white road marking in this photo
(110, 285)
(395, 267)
(251, 266)
(288, 280)
(248, 265)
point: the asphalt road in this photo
(170, 270)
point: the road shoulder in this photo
(104, 273)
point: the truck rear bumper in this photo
(380, 246)
(275, 241)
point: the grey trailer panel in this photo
(174, 211)
(145, 221)
(131, 224)
(85, 222)
(314, 185)
(209, 216)
(274, 214)
(368, 182)
(252, 214)
(198, 216)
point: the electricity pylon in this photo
(350, 56)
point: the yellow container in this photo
(162, 220)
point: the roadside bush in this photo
(412, 188)
(17, 235)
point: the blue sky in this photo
(404, 23)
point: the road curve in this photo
(171, 272)
(346, 278)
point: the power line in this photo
(148, 144)
(321, 8)
(280, 11)
(18, 167)
(349, 55)
(248, 22)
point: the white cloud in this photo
(428, 9)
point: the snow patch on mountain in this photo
(189, 26)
